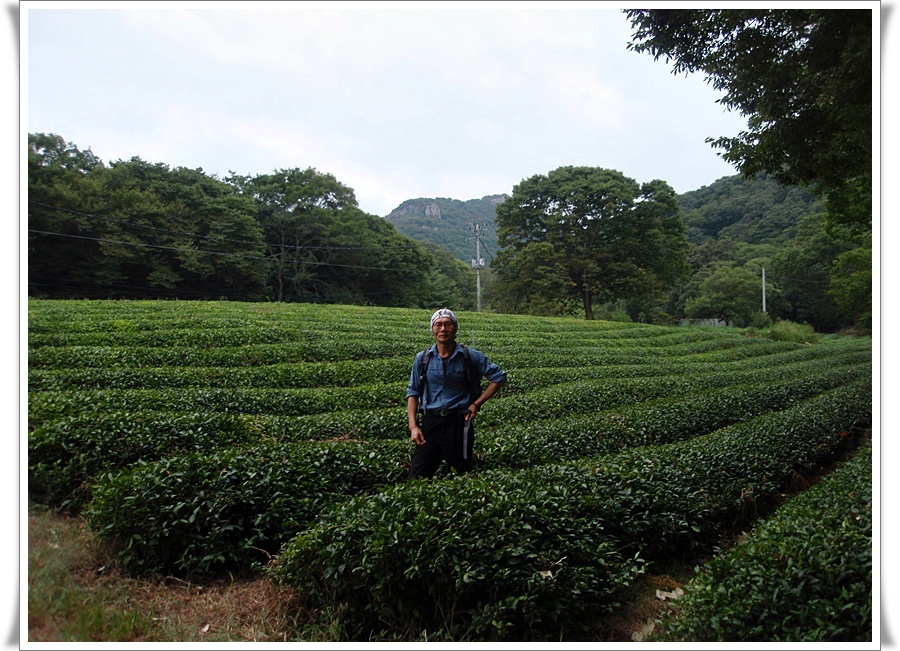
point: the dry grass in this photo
(644, 602)
(75, 593)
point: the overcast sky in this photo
(395, 100)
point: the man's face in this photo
(443, 329)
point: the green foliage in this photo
(729, 293)
(202, 437)
(496, 557)
(804, 575)
(470, 556)
(449, 223)
(138, 229)
(651, 420)
(141, 229)
(803, 78)
(590, 234)
(66, 456)
(801, 333)
(757, 210)
(851, 286)
(804, 270)
(453, 282)
(232, 507)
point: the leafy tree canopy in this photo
(803, 77)
(323, 248)
(586, 233)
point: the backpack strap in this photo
(473, 377)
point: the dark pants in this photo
(443, 442)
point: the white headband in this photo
(444, 314)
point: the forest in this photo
(135, 229)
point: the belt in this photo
(445, 411)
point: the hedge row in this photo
(312, 350)
(65, 455)
(388, 369)
(536, 554)
(51, 405)
(526, 379)
(231, 508)
(169, 517)
(206, 334)
(651, 422)
(592, 394)
(804, 575)
(588, 396)
(206, 345)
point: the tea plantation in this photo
(200, 438)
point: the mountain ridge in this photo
(755, 211)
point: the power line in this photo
(221, 239)
(314, 263)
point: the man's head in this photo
(444, 320)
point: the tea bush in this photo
(498, 556)
(437, 556)
(65, 457)
(804, 575)
(207, 434)
(47, 405)
(231, 508)
(650, 422)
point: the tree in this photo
(323, 248)
(533, 279)
(296, 210)
(851, 286)
(451, 281)
(584, 234)
(178, 232)
(803, 77)
(63, 240)
(804, 270)
(135, 229)
(728, 292)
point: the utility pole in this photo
(764, 288)
(478, 263)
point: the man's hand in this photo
(415, 433)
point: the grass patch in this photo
(77, 594)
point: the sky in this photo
(395, 100)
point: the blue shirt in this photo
(446, 386)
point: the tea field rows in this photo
(202, 437)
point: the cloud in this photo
(396, 100)
(588, 99)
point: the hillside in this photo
(756, 212)
(268, 442)
(449, 222)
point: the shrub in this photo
(229, 509)
(801, 333)
(488, 557)
(804, 575)
(64, 457)
(460, 557)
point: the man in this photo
(448, 396)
